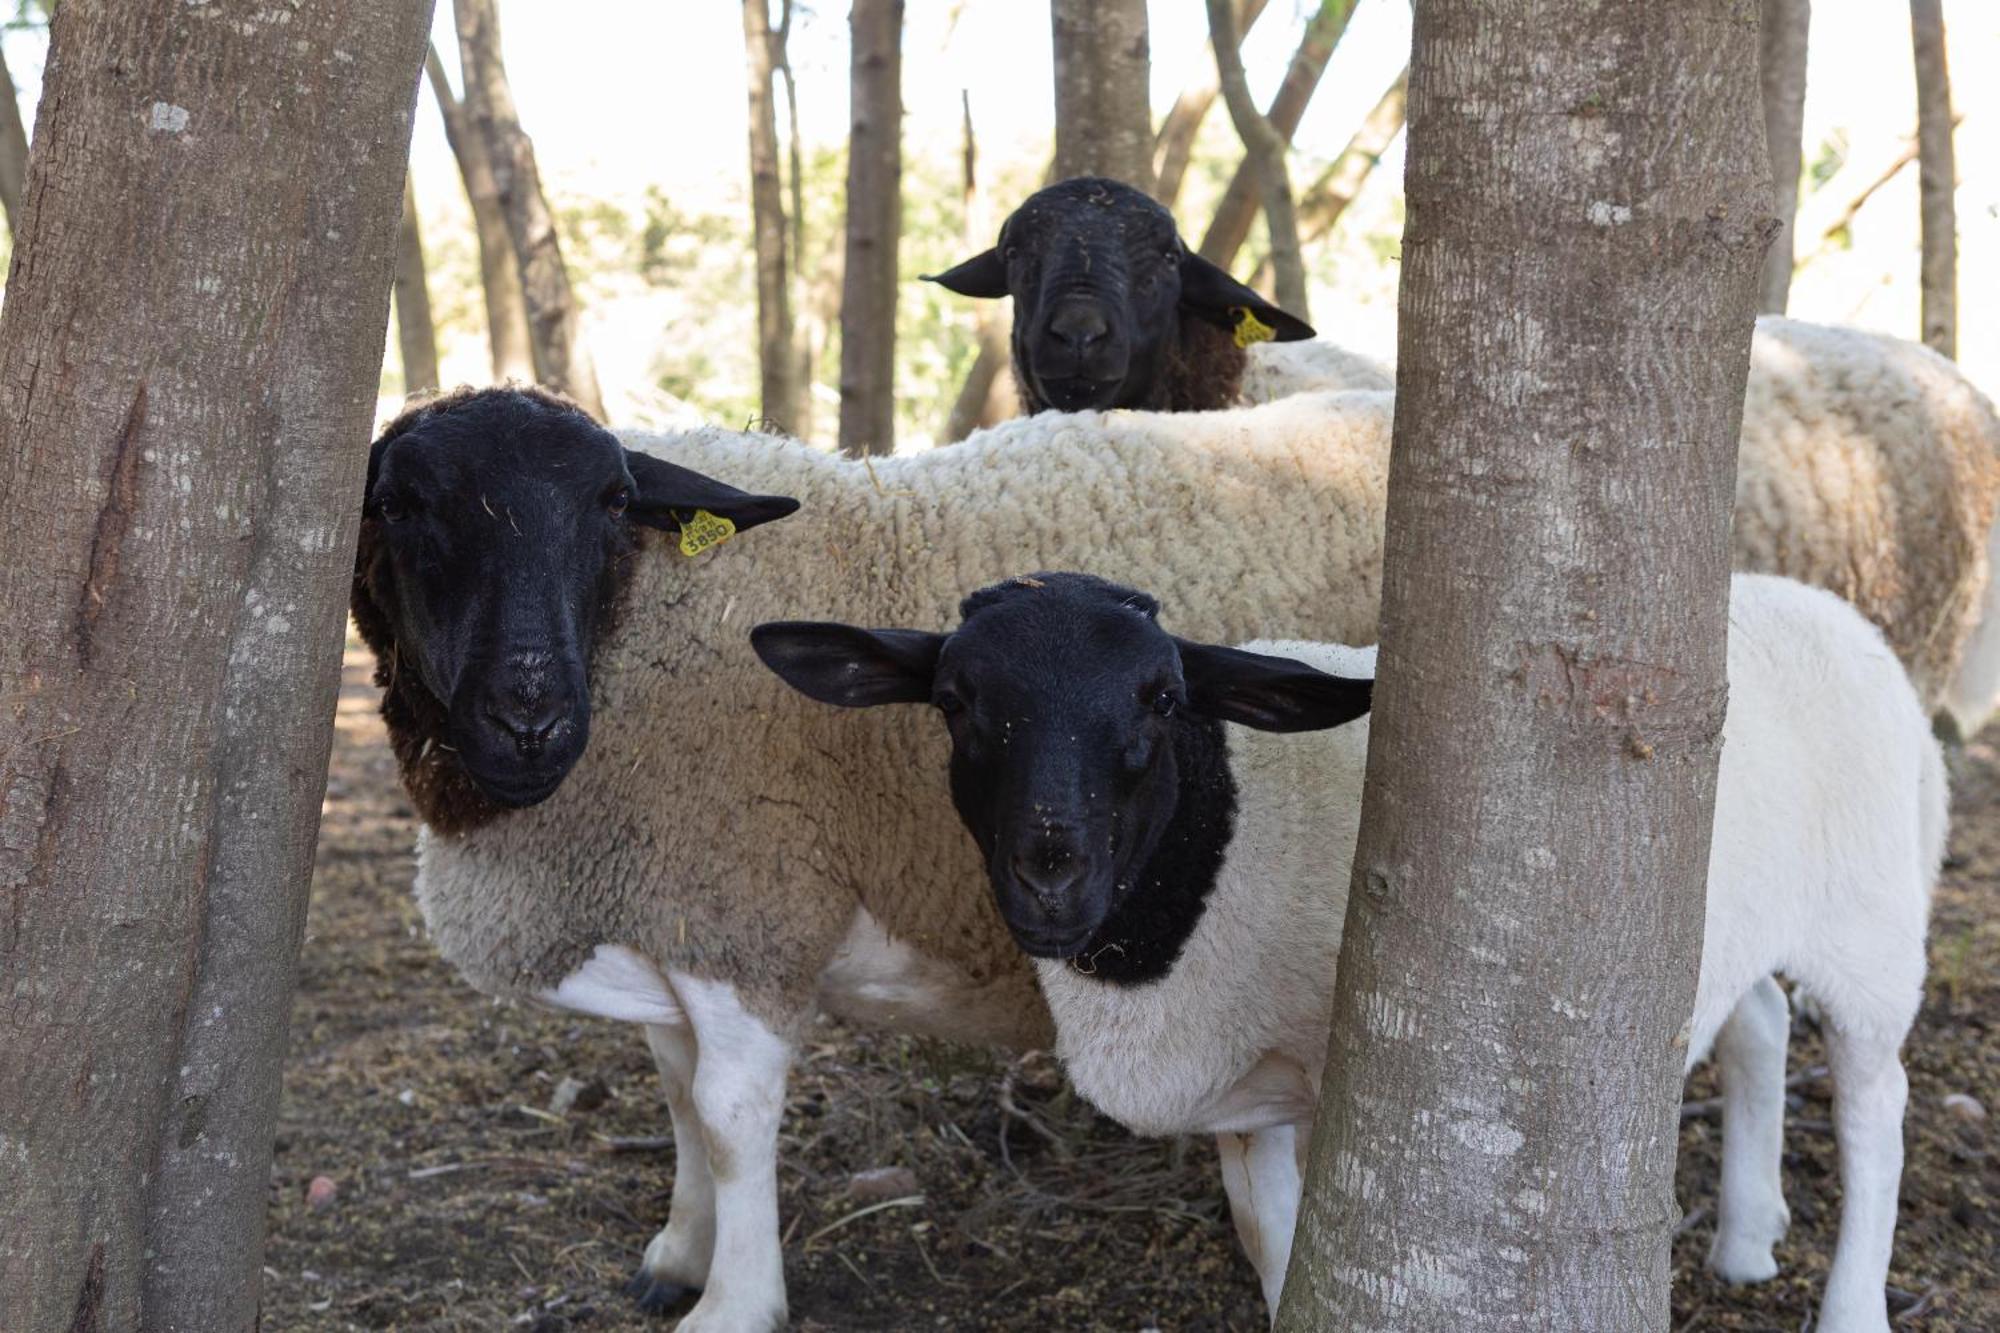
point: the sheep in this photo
(626, 816)
(1180, 876)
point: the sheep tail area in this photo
(1970, 698)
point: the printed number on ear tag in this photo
(704, 532)
(1249, 328)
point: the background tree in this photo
(1781, 67)
(777, 361)
(554, 320)
(1264, 157)
(507, 342)
(185, 413)
(1230, 226)
(1322, 203)
(1937, 175)
(1173, 146)
(1104, 70)
(415, 336)
(874, 225)
(13, 148)
(1573, 343)
(988, 393)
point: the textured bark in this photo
(1264, 153)
(499, 273)
(415, 335)
(554, 320)
(874, 226)
(777, 364)
(1173, 147)
(13, 148)
(188, 361)
(1323, 202)
(1104, 118)
(1937, 174)
(1588, 213)
(1238, 209)
(1781, 66)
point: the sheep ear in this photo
(849, 666)
(1268, 693)
(985, 274)
(1211, 294)
(668, 497)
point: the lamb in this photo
(627, 816)
(1182, 883)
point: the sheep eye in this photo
(1164, 704)
(1011, 253)
(948, 703)
(618, 501)
(390, 510)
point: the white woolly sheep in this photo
(722, 859)
(1183, 884)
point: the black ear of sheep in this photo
(983, 275)
(1209, 293)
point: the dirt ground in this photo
(461, 1201)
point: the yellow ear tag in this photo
(1250, 329)
(704, 532)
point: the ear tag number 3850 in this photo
(1250, 329)
(705, 531)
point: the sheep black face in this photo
(1103, 287)
(496, 535)
(1088, 760)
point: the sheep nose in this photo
(528, 714)
(1048, 870)
(1079, 327)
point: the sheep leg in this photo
(1260, 1174)
(676, 1263)
(1869, 1092)
(1750, 1214)
(739, 1097)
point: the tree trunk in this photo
(1233, 216)
(1937, 174)
(777, 363)
(13, 149)
(186, 411)
(1263, 156)
(1496, 1141)
(554, 322)
(987, 396)
(874, 225)
(1173, 147)
(1104, 116)
(499, 274)
(1782, 68)
(414, 333)
(1323, 202)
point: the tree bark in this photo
(777, 363)
(1588, 213)
(1264, 154)
(1323, 202)
(1104, 116)
(188, 360)
(13, 149)
(1173, 147)
(874, 226)
(499, 274)
(1937, 176)
(415, 335)
(1782, 69)
(554, 321)
(1233, 216)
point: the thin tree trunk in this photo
(776, 361)
(975, 405)
(13, 148)
(1104, 117)
(1173, 147)
(185, 412)
(1495, 1146)
(1238, 209)
(1782, 69)
(414, 333)
(1326, 199)
(1937, 173)
(499, 273)
(554, 321)
(874, 226)
(1264, 154)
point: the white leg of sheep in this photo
(1260, 1174)
(1750, 1214)
(738, 1097)
(1869, 1092)
(677, 1260)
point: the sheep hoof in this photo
(657, 1295)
